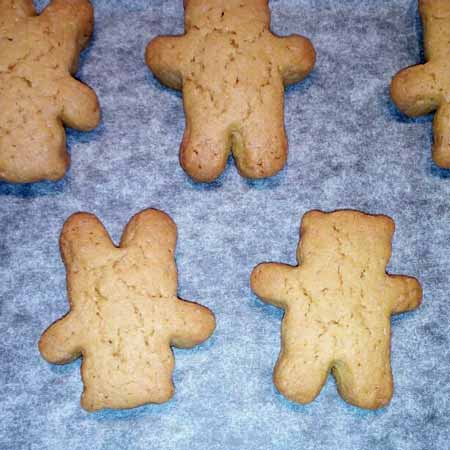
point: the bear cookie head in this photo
(358, 235)
(230, 14)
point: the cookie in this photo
(338, 302)
(38, 56)
(232, 71)
(124, 311)
(425, 88)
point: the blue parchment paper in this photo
(349, 148)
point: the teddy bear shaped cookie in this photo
(338, 304)
(124, 311)
(232, 71)
(38, 56)
(425, 88)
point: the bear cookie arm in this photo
(124, 311)
(425, 88)
(338, 304)
(38, 56)
(232, 72)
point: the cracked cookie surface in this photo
(232, 71)
(124, 311)
(425, 88)
(38, 56)
(338, 302)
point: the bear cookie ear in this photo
(311, 217)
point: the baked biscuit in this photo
(425, 88)
(124, 311)
(232, 71)
(38, 56)
(338, 304)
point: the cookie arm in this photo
(405, 293)
(416, 91)
(59, 344)
(164, 57)
(192, 324)
(295, 57)
(79, 105)
(272, 282)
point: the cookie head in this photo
(233, 15)
(346, 233)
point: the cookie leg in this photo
(300, 376)
(32, 146)
(365, 382)
(441, 147)
(205, 148)
(260, 149)
(109, 383)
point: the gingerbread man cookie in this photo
(338, 304)
(232, 71)
(38, 56)
(124, 311)
(425, 88)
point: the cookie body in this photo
(38, 55)
(425, 88)
(338, 304)
(232, 71)
(124, 311)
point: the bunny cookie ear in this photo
(18, 9)
(150, 230)
(84, 240)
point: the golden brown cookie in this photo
(338, 302)
(38, 56)
(232, 71)
(124, 311)
(425, 88)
